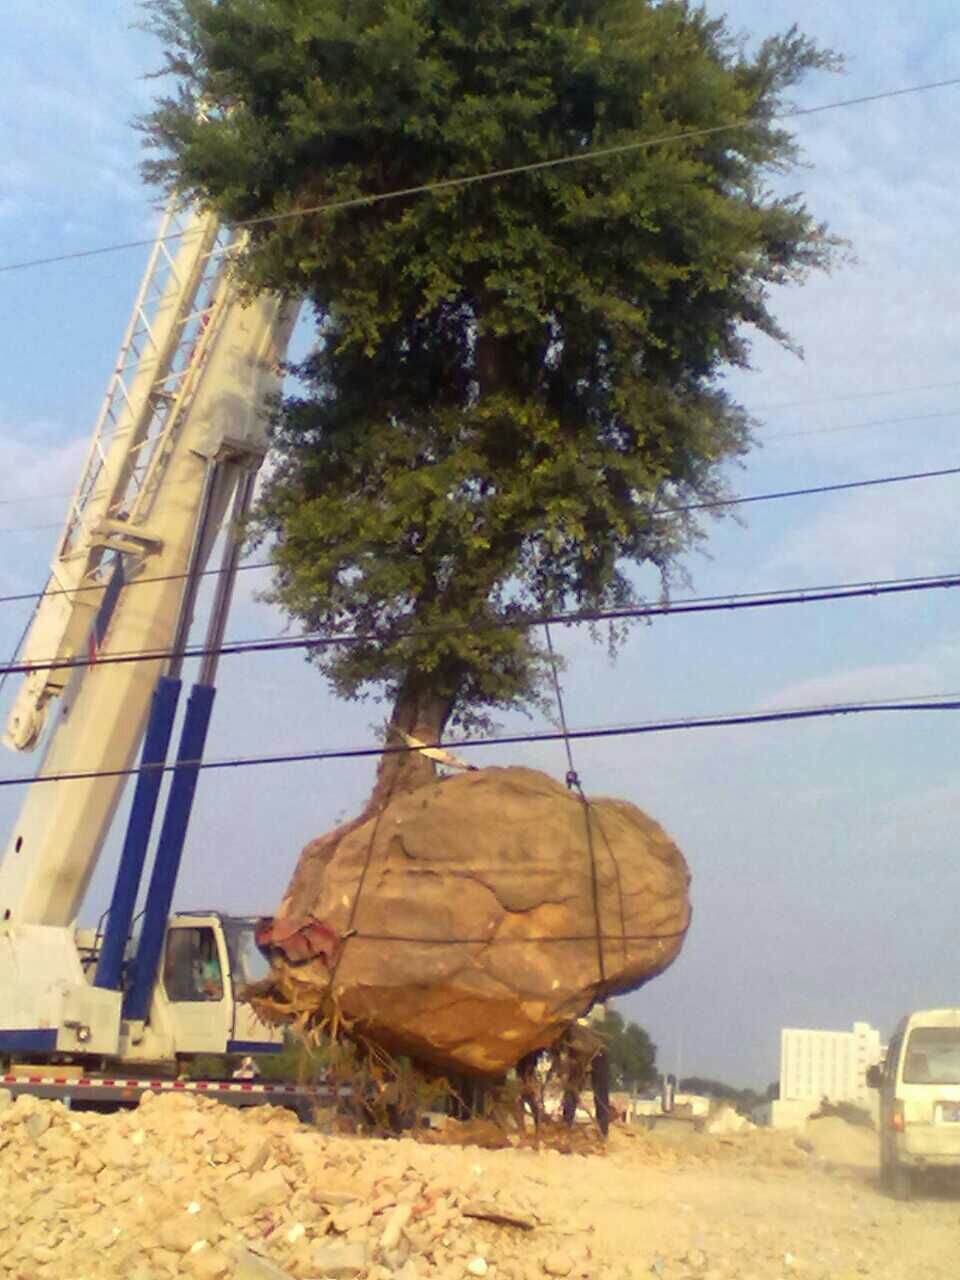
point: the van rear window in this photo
(932, 1056)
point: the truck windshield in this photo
(933, 1056)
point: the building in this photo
(815, 1065)
(828, 1064)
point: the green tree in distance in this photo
(514, 396)
(633, 1055)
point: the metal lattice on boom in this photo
(174, 321)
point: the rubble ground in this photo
(183, 1186)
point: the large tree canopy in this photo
(515, 386)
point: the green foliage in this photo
(743, 1100)
(633, 1055)
(515, 384)
(296, 1063)
(211, 1066)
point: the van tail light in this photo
(896, 1118)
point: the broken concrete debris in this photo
(682, 1205)
(183, 1186)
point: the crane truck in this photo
(168, 475)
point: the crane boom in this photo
(182, 425)
(171, 466)
(135, 422)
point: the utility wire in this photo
(713, 504)
(318, 641)
(813, 593)
(767, 438)
(926, 702)
(30, 528)
(492, 175)
(858, 426)
(776, 435)
(811, 490)
(854, 395)
(21, 596)
(38, 497)
(4, 675)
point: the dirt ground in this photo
(183, 1186)
(750, 1207)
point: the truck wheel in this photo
(901, 1182)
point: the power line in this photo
(30, 528)
(767, 439)
(37, 497)
(274, 644)
(20, 597)
(859, 426)
(492, 175)
(777, 435)
(815, 592)
(713, 504)
(816, 489)
(855, 395)
(925, 702)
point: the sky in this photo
(822, 854)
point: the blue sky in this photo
(823, 854)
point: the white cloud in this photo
(36, 464)
(898, 531)
(920, 677)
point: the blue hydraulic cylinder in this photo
(156, 743)
(166, 865)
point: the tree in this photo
(744, 1100)
(296, 1062)
(633, 1055)
(513, 401)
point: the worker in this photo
(529, 1099)
(247, 1070)
(587, 1054)
(210, 979)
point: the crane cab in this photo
(199, 1003)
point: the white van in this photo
(919, 1085)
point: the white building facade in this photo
(824, 1064)
(828, 1064)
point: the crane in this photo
(170, 470)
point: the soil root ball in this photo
(469, 921)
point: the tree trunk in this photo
(422, 713)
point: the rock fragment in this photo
(491, 1212)
(252, 1266)
(395, 1223)
(340, 1261)
(243, 1197)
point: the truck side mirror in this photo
(874, 1077)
